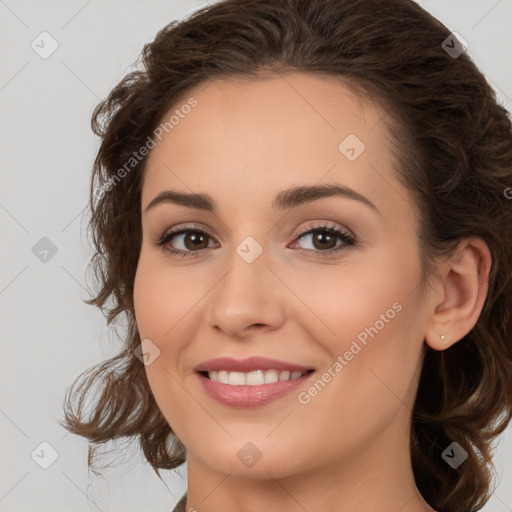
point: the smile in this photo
(254, 378)
(251, 382)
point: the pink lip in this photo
(250, 396)
(248, 365)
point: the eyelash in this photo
(349, 240)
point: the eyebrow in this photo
(285, 199)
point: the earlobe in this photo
(438, 341)
(456, 309)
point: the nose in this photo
(247, 298)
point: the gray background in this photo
(48, 334)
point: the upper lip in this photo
(248, 365)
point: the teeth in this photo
(271, 376)
(236, 378)
(254, 378)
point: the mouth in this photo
(253, 378)
(251, 382)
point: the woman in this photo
(301, 207)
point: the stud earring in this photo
(442, 337)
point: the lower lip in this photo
(250, 396)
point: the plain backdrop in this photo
(48, 334)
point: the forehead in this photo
(311, 104)
(247, 135)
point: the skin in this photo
(348, 448)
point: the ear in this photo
(457, 304)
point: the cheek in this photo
(163, 301)
(349, 297)
(374, 316)
(163, 298)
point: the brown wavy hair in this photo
(453, 141)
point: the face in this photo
(323, 285)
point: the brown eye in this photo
(189, 242)
(324, 239)
(195, 240)
(192, 242)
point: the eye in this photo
(324, 239)
(193, 240)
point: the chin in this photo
(259, 459)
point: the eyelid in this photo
(186, 227)
(346, 235)
(310, 225)
(327, 225)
